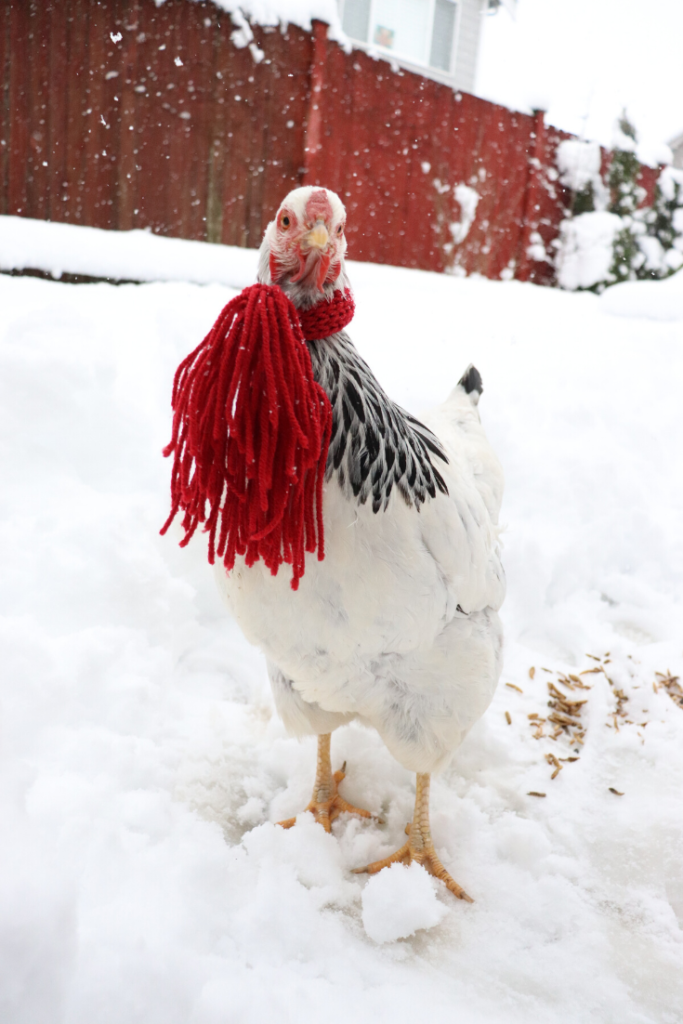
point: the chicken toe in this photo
(420, 846)
(327, 803)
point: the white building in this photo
(676, 146)
(437, 38)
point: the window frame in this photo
(409, 62)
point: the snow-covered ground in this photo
(142, 880)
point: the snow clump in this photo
(579, 165)
(399, 901)
(467, 199)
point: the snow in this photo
(579, 166)
(283, 12)
(468, 199)
(578, 162)
(668, 180)
(399, 901)
(141, 765)
(119, 255)
(585, 252)
(652, 300)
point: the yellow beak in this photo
(317, 237)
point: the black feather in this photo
(471, 380)
(375, 443)
(348, 416)
(339, 450)
(371, 442)
(440, 482)
(356, 401)
(434, 448)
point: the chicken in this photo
(397, 626)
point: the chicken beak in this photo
(317, 237)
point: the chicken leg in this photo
(326, 804)
(420, 846)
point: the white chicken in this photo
(397, 626)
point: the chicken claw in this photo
(420, 846)
(326, 803)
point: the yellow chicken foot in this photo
(326, 804)
(420, 846)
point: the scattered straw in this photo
(672, 686)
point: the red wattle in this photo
(302, 267)
(274, 266)
(323, 267)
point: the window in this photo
(420, 31)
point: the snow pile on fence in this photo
(142, 879)
(468, 200)
(283, 12)
(579, 165)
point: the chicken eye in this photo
(285, 221)
(340, 229)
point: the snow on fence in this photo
(127, 114)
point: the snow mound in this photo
(398, 902)
(585, 253)
(651, 300)
(58, 249)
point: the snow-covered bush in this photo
(586, 247)
(663, 243)
(625, 193)
(608, 236)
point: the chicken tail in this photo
(471, 383)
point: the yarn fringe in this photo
(251, 431)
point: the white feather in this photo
(397, 626)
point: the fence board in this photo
(38, 154)
(128, 144)
(208, 147)
(57, 111)
(5, 29)
(19, 112)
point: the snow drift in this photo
(142, 767)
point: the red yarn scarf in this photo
(251, 430)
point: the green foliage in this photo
(625, 194)
(584, 201)
(662, 215)
(647, 241)
(627, 259)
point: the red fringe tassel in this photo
(251, 430)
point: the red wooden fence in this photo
(121, 114)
